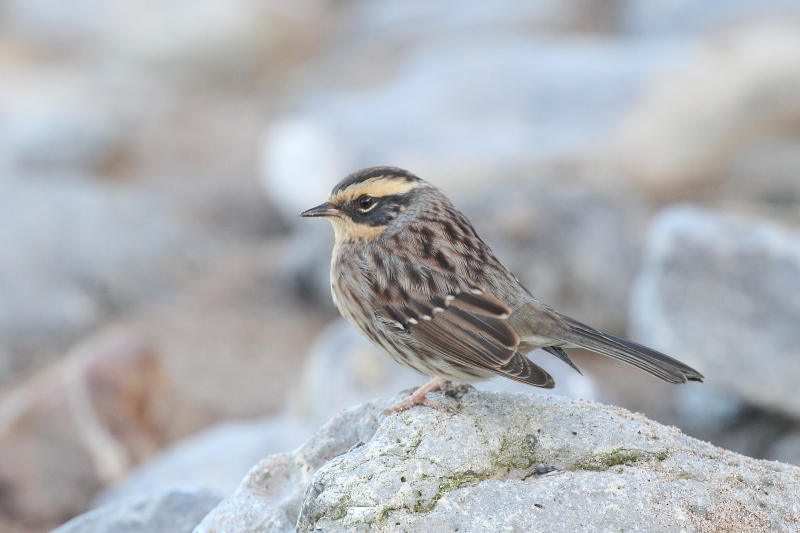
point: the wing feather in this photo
(468, 328)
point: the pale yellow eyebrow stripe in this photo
(376, 187)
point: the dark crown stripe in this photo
(365, 174)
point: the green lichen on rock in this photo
(517, 451)
(447, 485)
(618, 456)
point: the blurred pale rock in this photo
(786, 448)
(58, 118)
(480, 467)
(465, 105)
(755, 432)
(215, 459)
(72, 252)
(299, 165)
(176, 510)
(700, 16)
(205, 35)
(416, 20)
(692, 122)
(345, 369)
(78, 426)
(307, 264)
(575, 248)
(705, 410)
(720, 292)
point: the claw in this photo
(410, 401)
(418, 398)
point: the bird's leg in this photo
(418, 397)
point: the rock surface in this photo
(74, 252)
(701, 120)
(720, 293)
(575, 247)
(168, 511)
(215, 459)
(270, 496)
(484, 465)
(470, 102)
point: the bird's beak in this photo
(323, 210)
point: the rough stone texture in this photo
(720, 293)
(270, 496)
(175, 510)
(480, 467)
(345, 369)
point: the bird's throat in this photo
(345, 230)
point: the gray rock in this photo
(465, 104)
(73, 252)
(270, 496)
(414, 21)
(719, 292)
(175, 510)
(215, 459)
(486, 465)
(680, 16)
(208, 35)
(576, 248)
(786, 448)
(345, 369)
(696, 123)
(56, 117)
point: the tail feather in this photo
(561, 354)
(649, 360)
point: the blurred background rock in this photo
(154, 280)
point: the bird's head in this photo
(368, 202)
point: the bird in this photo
(412, 275)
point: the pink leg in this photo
(418, 397)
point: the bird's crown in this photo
(375, 182)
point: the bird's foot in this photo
(410, 401)
(418, 397)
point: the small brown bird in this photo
(412, 275)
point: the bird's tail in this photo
(656, 363)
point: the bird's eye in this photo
(365, 202)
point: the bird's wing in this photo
(469, 327)
(649, 360)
